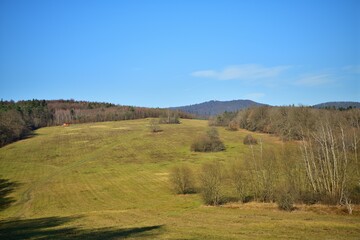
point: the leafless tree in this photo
(182, 180)
(325, 158)
(211, 179)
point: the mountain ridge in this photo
(338, 105)
(215, 107)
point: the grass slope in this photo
(110, 180)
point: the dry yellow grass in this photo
(110, 180)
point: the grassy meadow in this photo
(109, 180)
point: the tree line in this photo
(320, 165)
(18, 119)
(289, 123)
(285, 176)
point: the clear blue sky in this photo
(171, 53)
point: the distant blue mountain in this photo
(338, 105)
(212, 108)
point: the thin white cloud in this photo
(205, 74)
(315, 80)
(254, 96)
(352, 69)
(242, 72)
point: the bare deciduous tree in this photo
(211, 178)
(326, 160)
(154, 126)
(182, 180)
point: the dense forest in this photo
(18, 119)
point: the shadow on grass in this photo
(51, 228)
(29, 135)
(6, 187)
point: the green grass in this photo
(110, 180)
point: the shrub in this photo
(154, 126)
(169, 118)
(310, 198)
(233, 126)
(240, 182)
(182, 180)
(247, 198)
(250, 140)
(354, 192)
(211, 179)
(205, 144)
(208, 143)
(286, 201)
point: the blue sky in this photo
(171, 53)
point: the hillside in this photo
(110, 180)
(18, 119)
(338, 105)
(212, 108)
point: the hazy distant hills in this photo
(338, 105)
(212, 108)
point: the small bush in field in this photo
(310, 198)
(169, 118)
(208, 143)
(285, 201)
(182, 180)
(250, 140)
(211, 179)
(233, 126)
(240, 182)
(154, 126)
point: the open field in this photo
(110, 180)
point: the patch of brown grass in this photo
(316, 208)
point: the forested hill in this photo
(18, 119)
(338, 105)
(212, 108)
